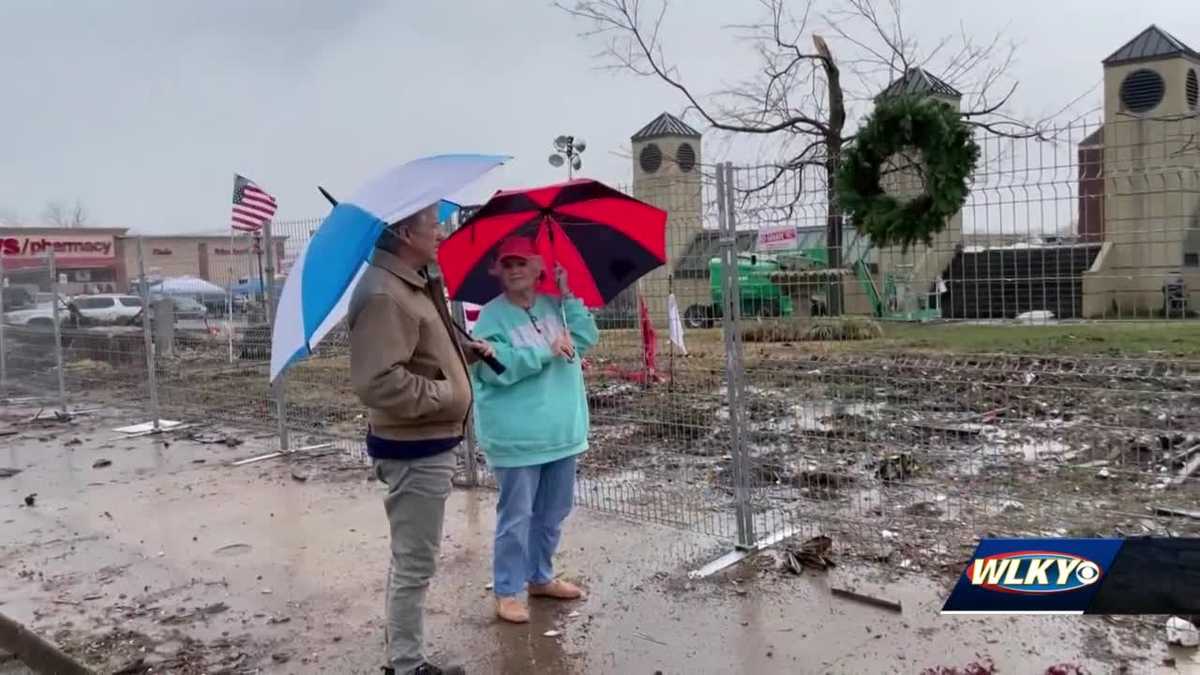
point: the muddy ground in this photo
(165, 558)
(914, 455)
(911, 454)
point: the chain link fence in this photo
(1031, 371)
(31, 340)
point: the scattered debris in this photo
(1186, 472)
(148, 427)
(1104, 473)
(101, 463)
(573, 615)
(215, 439)
(813, 553)
(1180, 513)
(280, 658)
(299, 476)
(1066, 669)
(897, 467)
(8, 472)
(73, 441)
(973, 668)
(866, 599)
(552, 633)
(1182, 633)
(30, 499)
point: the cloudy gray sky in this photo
(143, 109)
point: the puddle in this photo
(1033, 450)
(816, 415)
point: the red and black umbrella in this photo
(604, 238)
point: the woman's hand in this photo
(560, 276)
(563, 347)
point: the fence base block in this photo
(735, 557)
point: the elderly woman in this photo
(532, 422)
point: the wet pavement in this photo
(172, 556)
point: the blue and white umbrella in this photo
(316, 294)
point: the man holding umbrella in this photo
(532, 422)
(408, 369)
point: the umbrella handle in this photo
(491, 361)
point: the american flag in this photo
(252, 206)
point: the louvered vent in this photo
(1193, 89)
(1142, 91)
(685, 156)
(651, 158)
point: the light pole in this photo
(566, 151)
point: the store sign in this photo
(161, 251)
(237, 251)
(64, 247)
(783, 238)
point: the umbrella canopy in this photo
(316, 294)
(186, 286)
(604, 238)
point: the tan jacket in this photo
(406, 364)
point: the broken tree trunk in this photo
(1186, 472)
(35, 652)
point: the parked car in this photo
(186, 307)
(40, 315)
(17, 297)
(108, 308)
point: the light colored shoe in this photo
(557, 589)
(512, 610)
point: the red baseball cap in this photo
(517, 247)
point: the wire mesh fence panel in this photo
(961, 388)
(659, 444)
(217, 365)
(29, 344)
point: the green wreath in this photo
(948, 156)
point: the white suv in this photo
(109, 308)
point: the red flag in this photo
(649, 340)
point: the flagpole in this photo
(670, 337)
(229, 296)
(262, 286)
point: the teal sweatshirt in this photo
(536, 411)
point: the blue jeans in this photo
(534, 501)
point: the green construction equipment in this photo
(762, 297)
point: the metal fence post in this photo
(731, 327)
(56, 320)
(3, 346)
(147, 339)
(279, 387)
(470, 464)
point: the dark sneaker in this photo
(430, 669)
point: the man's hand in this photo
(481, 348)
(563, 347)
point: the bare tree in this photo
(801, 96)
(60, 214)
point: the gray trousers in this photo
(415, 505)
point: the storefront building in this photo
(84, 258)
(96, 260)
